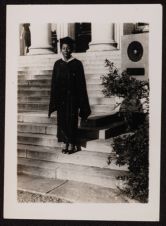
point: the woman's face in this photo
(66, 51)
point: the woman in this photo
(68, 96)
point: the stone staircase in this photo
(39, 153)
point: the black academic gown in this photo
(69, 98)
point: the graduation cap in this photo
(67, 40)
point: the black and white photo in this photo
(84, 93)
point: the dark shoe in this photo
(78, 148)
(71, 149)
(65, 149)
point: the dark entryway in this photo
(82, 36)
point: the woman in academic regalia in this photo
(68, 96)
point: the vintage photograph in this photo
(85, 96)
(83, 112)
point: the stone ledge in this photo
(36, 189)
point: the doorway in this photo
(82, 36)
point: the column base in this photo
(40, 51)
(102, 47)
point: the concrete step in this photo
(32, 106)
(87, 66)
(67, 191)
(87, 62)
(82, 158)
(100, 176)
(38, 87)
(26, 99)
(36, 117)
(34, 91)
(104, 131)
(38, 76)
(88, 56)
(40, 99)
(46, 92)
(104, 146)
(46, 71)
(42, 117)
(97, 145)
(47, 81)
(47, 84)
(37, 128)
(94, 120)
(38, 139)
(48, 129)
(35, 71)
(46, 140)
(100, 145)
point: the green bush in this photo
(131, 148)
(123, 85)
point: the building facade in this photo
(88, 36)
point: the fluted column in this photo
(40, 39)
(63, 30)
(103, 37)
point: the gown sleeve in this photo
(52, 104)
(84, 106)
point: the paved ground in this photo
(36, 189)
(24, 196)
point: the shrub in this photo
(123, 85)
(131, 148)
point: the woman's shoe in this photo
(65, 149)
(78, 148)
(71, 149)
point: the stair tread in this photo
(54, 150)
(58, 150)
(31, 86)
(97, 141)
(37, 124)
(37, 135)
(109, 126)
(37, 148)
(83, 168)
(45, 114)
(47, 103)
(92, 145)
(42, 116)
(81, 158)
(34, 89)
(69, 191)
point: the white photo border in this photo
(17, 14)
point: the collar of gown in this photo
(70, 59)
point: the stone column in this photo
(102, 37)
(71, 30)
(40, 39)
(118, 33)
(63, 30)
